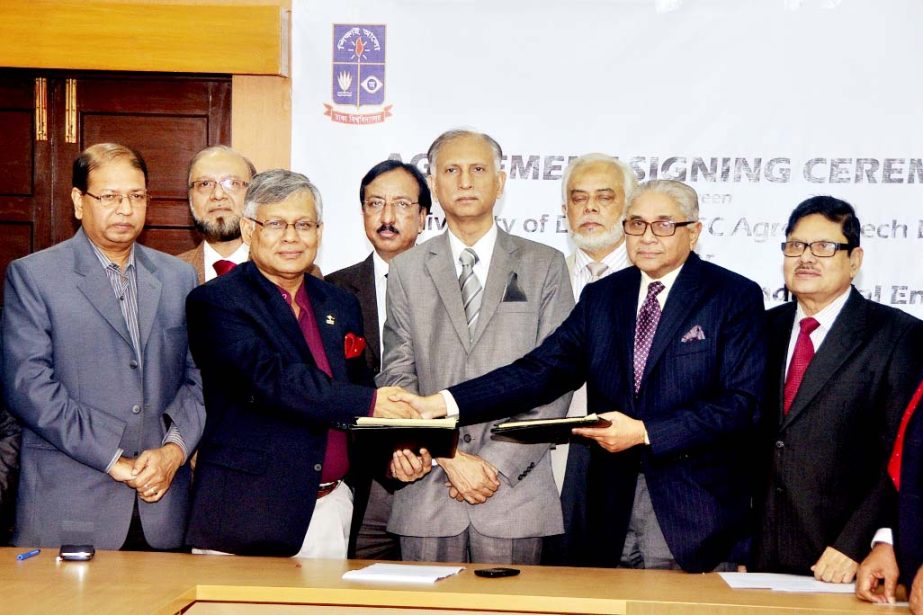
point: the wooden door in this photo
(165, 117)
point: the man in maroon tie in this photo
(840, 371)
(281, 355)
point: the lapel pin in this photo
(331, 320)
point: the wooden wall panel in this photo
(16, 154)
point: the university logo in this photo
(358, 74)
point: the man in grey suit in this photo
(458, 306)
(97, 369)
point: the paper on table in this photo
(402, 573)
(784, 583)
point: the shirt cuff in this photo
(118, 454)
(884, 535)
(451, 408)
(174, 437)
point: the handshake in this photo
(396, 403)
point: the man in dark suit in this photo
(678, 378)
(282, 365)
(395, 202)
(97, 370)
(840, 371)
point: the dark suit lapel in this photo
(626, 303)
(503, 262)
(368, 301)
(149, 289)
(776, 365)
(330, 324)
(95, 286)
(682, 300)
(441, 269)
(279, 317)
(845, 336)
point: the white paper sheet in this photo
(784, 583)
(402, 573)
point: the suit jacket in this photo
(269, 409)
(196, 258)
(72, 378)
(527, 294)
(697, 400)
(359, 279)
(822, 467)
(910, 502)
(10, 441)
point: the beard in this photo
(222, 229)
(597, 241)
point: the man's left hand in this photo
(879, 566)
(407, 466)
(834, 567)
(624, 432)
(154, 470)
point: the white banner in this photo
(757, 104)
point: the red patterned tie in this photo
(894, 463)
(645, 328)
(804, 352)
(222, 267)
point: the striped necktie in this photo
(470, 288)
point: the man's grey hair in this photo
(682, 194)
(215, 149)
(629, 181)
(451, 135)
(276, 185)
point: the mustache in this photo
(388, 227)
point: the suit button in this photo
(531, 465)
(780, 444)
(317, 467)
(252, 399)
(467, 437)
(780, 490)
(133, 364)
(136, 409)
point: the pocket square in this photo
(513, 292)
(694, 334)
(353, 345)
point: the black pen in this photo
(28, 554)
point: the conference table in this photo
(163, 583)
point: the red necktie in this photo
(222, 267)
(894, 463)
(804, 352)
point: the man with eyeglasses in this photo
(282, 366)
(394, 201)
(97, 370)
(672, 352)
(840, 371)
(594, 189)
(217, 180)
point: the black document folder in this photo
(555, 431)
(381, 437)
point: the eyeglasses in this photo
(276, 226)
(822, 249)
(660, 228)
(401, 205)
(113, 199)
(228, 184)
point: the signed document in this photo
(383, 436)
(556, 431)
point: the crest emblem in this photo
(358, 73)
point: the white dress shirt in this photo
(580, 275)
(381, 269)
(238, 256)
(825, 318)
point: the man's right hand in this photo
(121, 471)
(429, 407)
(879, 565)
(388, 405)
(471, 479)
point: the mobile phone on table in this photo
(77, 553)
(496, 573)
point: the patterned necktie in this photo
(801, 358)
(596, 270)
(470, 288)
(222, 267)
(894, 463)
(648, 318)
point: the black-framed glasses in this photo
(275, 226)
(822, 249)
(660, 228)
(113, 199)
(400, 205)
(228, 184)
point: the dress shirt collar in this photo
(106, 262)
(483, 247)
(381, 266)
(827, 316)
(615, 260)
(667, 280)
(210, 257)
